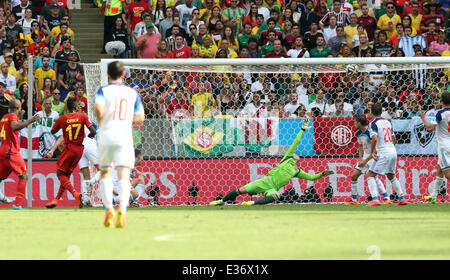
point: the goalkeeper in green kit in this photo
(277, 177)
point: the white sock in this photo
(96, 178)
(124, 193)
(437, 186)
(354, 190)
(398, 189)
(373, 188)
(106, 186)
(381, 188)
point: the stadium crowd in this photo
(283, 29)
(234, 29)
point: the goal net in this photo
(214, 125)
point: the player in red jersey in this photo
(10, 158)
(72, 125)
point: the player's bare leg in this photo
(398, 189)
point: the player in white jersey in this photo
(90, 155)
(365, 160)
(385, 155)
(117, 106)
(442, 126)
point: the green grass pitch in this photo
(416, 231)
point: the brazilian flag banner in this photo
(218, 136)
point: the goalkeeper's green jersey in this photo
(283, 173)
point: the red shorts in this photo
(69, 158)
(14, 163)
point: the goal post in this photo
(202, 137)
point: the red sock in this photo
(66, 185)
(20, 192)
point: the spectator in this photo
(22, 74)
(368, 21)
(411, 109)
(310, 37)
(179, 106)
(275, 109)
(290, 108)
(388, 21)
(10, 62)
(432, 16)
(57, 105)
(416, 17)
(62, 55)
(195, 20)
(251, 17)
(300, 113)
(35, 48)
(407, 42)
(164, 24)
(63, 5)
(265, 25)
(341, 17)
(147, 45)
(396, 38)
(110, 9)
(382, 47)
(347, 107)
(216, 16)
(262, 10)
(20, 11)
(271, 24)
(57, 29)
(206, 12)
(246, 34)
(208, 49)
(7, 79)
(134, 13)
(318, 107)
(309, 17)
(34, 27)
(163, 50)
(355, 39)
(431, 35)
(230, 52)
(255, 109)
(119, 33)
(259, 23)
(330, 31)
(253, 50)
(181, 50)
(339, 111)
(53, 18)
(406, 21)
(202, 102)
(229, 36)
(226, 101)
(47, 89)
(55, 43)
(44, 72)
(363, 49)
(159, 13)
(391, 111)
(69, 75)
(12, 28)
(335, 43)
(170, 39)
(20, 52)
(298, 51)
(26, 21)
(185, 11)
(140, 28)
(439, 46)
(277, 51)
(321, 50)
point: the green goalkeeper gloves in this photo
(305, 125)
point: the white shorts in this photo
(115, 155)
(366, 167)
(90, 154)
(444, 157)
(386, 164)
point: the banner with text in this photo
(175, 179)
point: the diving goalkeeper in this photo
(277, 177)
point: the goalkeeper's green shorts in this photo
(263, 185)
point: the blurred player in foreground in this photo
(277, 177)
(72, 125)
(442, 126)
(385, 155)
(365, 160)
(10, 158)
(90, 155)
(117, 106)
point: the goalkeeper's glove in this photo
(327, 172)
(305, 125)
